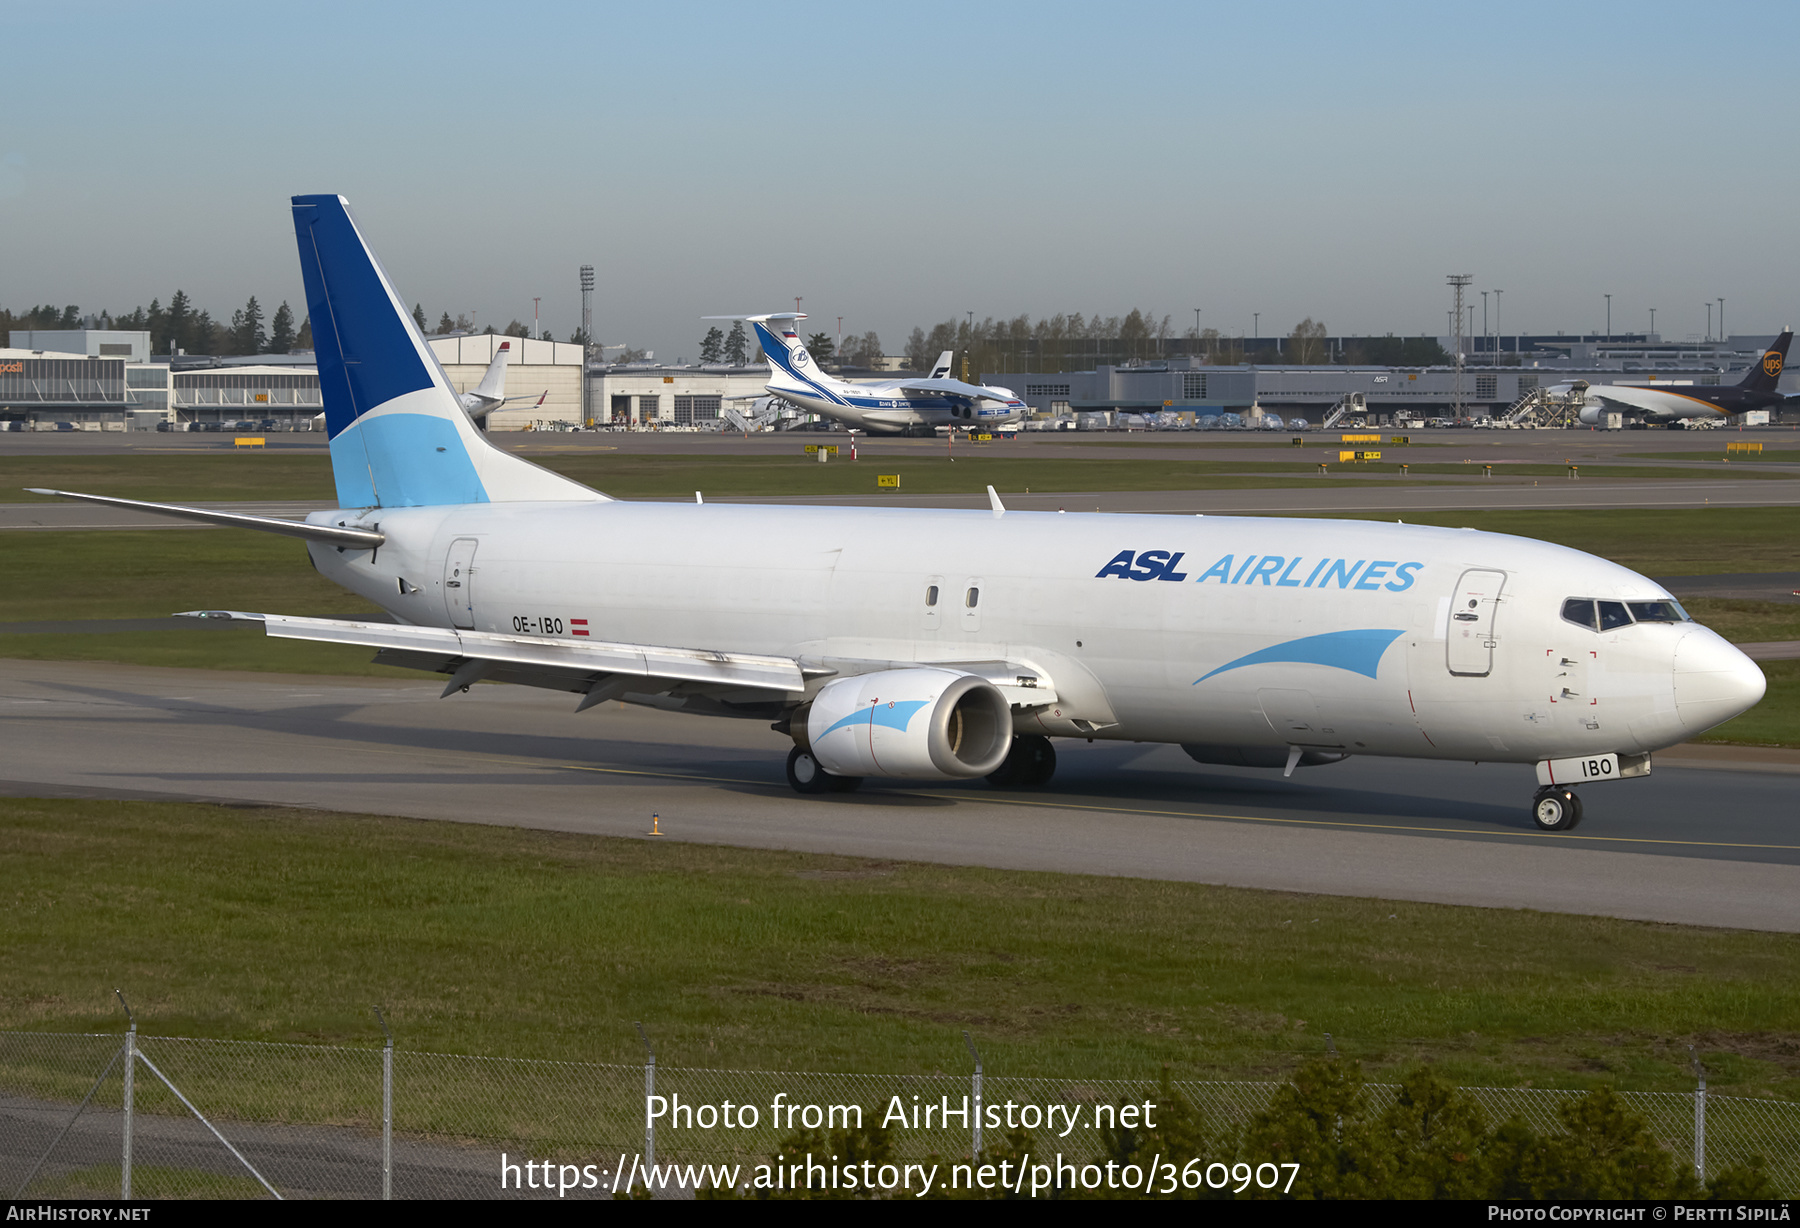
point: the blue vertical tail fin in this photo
(399, 435)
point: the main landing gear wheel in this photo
(805, 774)
(1028, 765)
(1555, 809)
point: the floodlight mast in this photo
(1459, 281)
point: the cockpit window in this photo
(1658, 611)
(1580, 611)
(1612, 615)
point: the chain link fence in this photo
(219, 1118)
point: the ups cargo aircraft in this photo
(939, 645)
(914, 405)
(1676, 405)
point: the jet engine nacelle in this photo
(1591, 413)
(920, 724)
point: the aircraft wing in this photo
(953, 388)
(602, 670)
(573, 661)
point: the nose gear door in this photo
(1469, 635)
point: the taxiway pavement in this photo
(1712, 840)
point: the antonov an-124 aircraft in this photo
(941, 645)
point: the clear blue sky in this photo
(902, 164)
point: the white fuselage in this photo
(880, 406)
(1653, 404)
(1350, 628)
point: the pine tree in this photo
(735, 344)
(178, 321)
(712, 346)
(304, 341)
(445, 324)
(247, 333)
(281, 330)
(419, 315)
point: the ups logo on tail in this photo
(1771, 364)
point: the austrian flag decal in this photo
(578, 626)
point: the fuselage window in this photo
(1613, 615)
(972, 598)
(1580, 611)
(931, 594)
(1658, 611)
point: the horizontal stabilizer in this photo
(338, 536)
(630, 660)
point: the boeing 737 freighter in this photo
(910, 406)
(939, 645)
(1676, 405)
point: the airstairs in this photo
(1547, 407)
(1352, 404)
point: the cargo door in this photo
(1469, 634)
(459, 583)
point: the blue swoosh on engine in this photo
(895, 715)
(1357, 651)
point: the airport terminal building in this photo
(1187, 386)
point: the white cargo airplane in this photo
(1678, 404)
(908, 406)
(944, 645)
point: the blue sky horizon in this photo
(902, 166)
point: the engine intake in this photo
(922, 724)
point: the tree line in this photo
(181, 326)
(1074, 342)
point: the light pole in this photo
(1609, 317)
(1484, 326)
(1653, 323)
(1721, 317)
(1709, 321)
(537, 330)
(1196, 331)
(1256, 326)
(1497, 294)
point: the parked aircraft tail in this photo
(942, 367)
(1766, 373)
(493, 382)
(399, 436)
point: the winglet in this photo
(994, 502)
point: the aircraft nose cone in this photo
(1713, 681)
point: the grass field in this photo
(1776, 455)
(284, 925)
(204, 476)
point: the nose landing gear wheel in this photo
(1555, 809)
(806, 776)
(1028, 765)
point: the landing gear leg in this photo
(806, 776)
(1028, 765)
(1555, 808)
